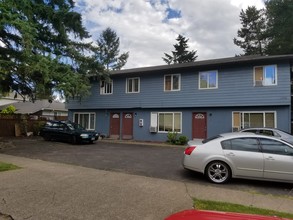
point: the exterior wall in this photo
(235, 93)
(219, 120)
(235, 88)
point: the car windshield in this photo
(210, 139)
(74, 126)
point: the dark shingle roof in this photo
(38, 105)
(230, 61)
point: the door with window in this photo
(278, 159)
(245, 156)
(199, 125)
(127, 126)
(115, 125)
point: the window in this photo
(265, 75)
(169, 122)
(172, 82)
(275, 147)
(208, 80)
(132, 85)
(106, 87)
(86, 120)
(241, 144)
(243, 120)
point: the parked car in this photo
(240, 155)
(215, 215)
(274, 132)
(67, 131)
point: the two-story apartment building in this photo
(198, 99)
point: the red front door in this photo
(199, 125)
(115, 125)
(127, 126)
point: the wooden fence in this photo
(18, 124)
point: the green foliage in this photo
(108, 53)
(172, 138)
(42, 49)
(280, 23)
(37, 125)
(267, 31)
(9, 110)
(7, 166)
(252, 34)
(181, 54)
(183, 140)
(230, 207)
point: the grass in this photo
(7, 166)
(229, 207)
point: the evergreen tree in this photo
(108, 51)
(181, 54)
(41, 49)
(280, 26)
(252, 34)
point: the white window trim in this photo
(166, 132)
(263, 80)
(172, 89)
(132, 78)
(216, 87)
(89, 113)
(102, 89)
(242, 117)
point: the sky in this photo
(148, 28)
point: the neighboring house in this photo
(40, 109)
(198, 100)
(9, 99)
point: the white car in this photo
(240, 155)
(274, 132)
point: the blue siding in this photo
(235, 92)
(219, 120)
(235, 88)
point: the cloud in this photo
(148, 28)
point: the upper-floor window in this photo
(208, 80)
(265, 75)
(132, 85)
(172, 82)
(106, 87)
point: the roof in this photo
(230, 61)
(38, 105)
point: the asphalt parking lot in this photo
(113, 180)
(145, 159)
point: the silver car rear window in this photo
(211, 138)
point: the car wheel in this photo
(73, 140)
(218, 172)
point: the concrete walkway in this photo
(44, 190)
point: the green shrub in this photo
(9, 110)
(37, 127)
(183, 140)
(172, 137)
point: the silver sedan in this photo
(240, 155)
(274, 132)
